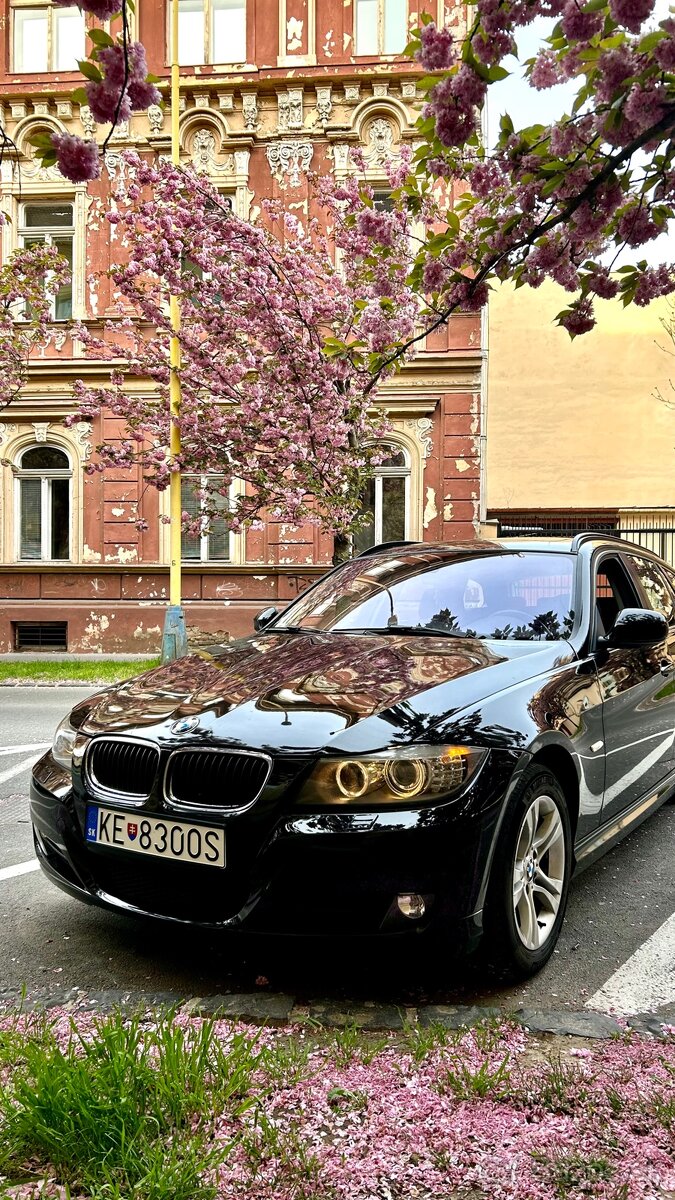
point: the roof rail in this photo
(590, 535)
(385, 546)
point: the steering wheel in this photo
(510, 614)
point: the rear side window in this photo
(655, 587)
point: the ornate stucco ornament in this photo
(250, 109)
(156, 118)
(289, 159)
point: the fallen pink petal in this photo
(426, 1114)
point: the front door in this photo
(638, 699)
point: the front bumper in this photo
(327, 873)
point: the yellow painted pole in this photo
(174, 643)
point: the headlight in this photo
(68, 743)
(414, 773)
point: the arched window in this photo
(385, 501)
(43, 500)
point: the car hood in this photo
(301, 690)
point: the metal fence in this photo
(660, 539)
(652, 531)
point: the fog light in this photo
(412, 906)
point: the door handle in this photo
(666, 666)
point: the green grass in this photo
(125, 1111)
(104, 671)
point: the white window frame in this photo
(381, 32)
(383, 472)
(49, 234)
(46, 476)
(50, 9)
(204, 539)
(208, 57)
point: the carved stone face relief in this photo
(380, 141)
(203, 149)
(203, 153)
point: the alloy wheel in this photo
(538, 872)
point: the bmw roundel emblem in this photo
(185, 725)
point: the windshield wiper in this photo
(407, 631)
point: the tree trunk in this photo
(343, 548)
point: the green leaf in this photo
(48, 158)
(429, 81)
(650, 40)
(100, 38)
(89, 70)
(79, 96)
(40, 139)
(496, 73)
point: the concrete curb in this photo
(54, 683)
(272, 1008)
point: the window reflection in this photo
(525, 596)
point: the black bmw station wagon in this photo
(432, 737)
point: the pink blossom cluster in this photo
(121, 86)
(276, 378)
(436, 52)
(103, 10)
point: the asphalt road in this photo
(50, 940)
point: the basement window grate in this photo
(41, 635)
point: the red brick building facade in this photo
(319, 77)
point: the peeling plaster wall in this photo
(303, 90)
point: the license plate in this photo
(175, 840)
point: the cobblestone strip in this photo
(272, 1008)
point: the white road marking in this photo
(18, 769)
(23, 749)
(23, 868)
(646, 981)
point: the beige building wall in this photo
(575, 424)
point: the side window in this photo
(654, 586)
(613, 592)
(53, 224)
(43, 504)
(214, 542)
(381, 26)
(385, 501)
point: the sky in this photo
(514, 96)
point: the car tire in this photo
(529, 880)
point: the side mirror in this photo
(635, 627)
(264, 618)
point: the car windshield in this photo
(521, 596)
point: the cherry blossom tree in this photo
(560, 201)
(276, 358)
(28, 280)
